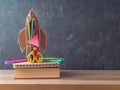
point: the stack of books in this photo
(37, 70)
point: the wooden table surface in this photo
(69, 80)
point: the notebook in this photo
(36, 65)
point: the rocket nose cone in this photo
(31, 14)
(31, 11)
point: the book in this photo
(36, 65)
(37, 70)
(27, 73)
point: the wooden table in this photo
(70, 80)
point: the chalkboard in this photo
(86, 33)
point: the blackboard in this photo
(86, 33)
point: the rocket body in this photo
(31, 36)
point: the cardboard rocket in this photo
(32, 35)
(33, 39)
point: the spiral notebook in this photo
(36, 65)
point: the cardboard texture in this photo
(22, 40)
(23, 36)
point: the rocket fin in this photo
(22, 40)
(42, 39)
(34, 41)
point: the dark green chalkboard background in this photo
(86, 33)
